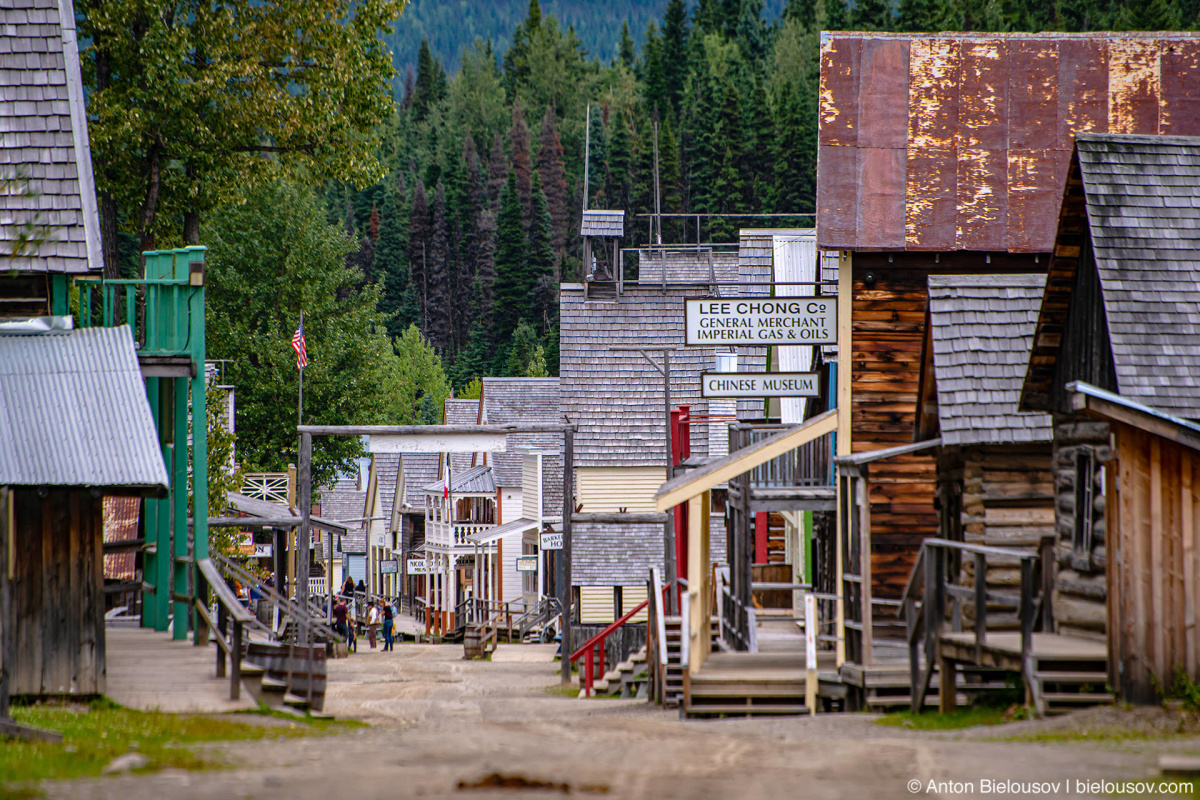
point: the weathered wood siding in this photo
(1080, 592)
(58, 593)
(887, 337)
(1154, 580)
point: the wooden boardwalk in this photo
(148, 670)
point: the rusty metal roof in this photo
(962, 141)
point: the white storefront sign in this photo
(527, 563)
(418, 566)
(552, 541)
(759, 384)
(769, 320)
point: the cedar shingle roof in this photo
(44, 140)
(1143, 210)
(419, 469)
(981, 328)
(601, 222)
(462, 412)
(342, 500)
(960, 141)
(519, 401)
(687, 266)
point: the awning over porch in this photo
(692, 484)
(492, 534)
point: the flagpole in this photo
(300, 402)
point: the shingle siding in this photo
(527, 401)
(982, 329)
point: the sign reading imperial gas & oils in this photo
(762, 321)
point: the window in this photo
(617, 611)
(1085, 501)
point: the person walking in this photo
(339, 621)
(389, 623)
(372, 623)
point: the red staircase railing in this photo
(589, 648)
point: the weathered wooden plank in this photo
(1157, 610)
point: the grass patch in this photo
(559, 690)
(95, 734)
(1104, 734)
(933, 721)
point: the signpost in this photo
(551, 541)
(418, 566)
(527, 563)
(389, 566)
(765, 321)
(760, 384)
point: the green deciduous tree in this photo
(269, 259)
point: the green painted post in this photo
(179, 501)
(150, 562)
(60, 298)
(808, 548)
(196, 337)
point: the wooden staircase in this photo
(1065, 682)
(748, 684)
(673, 675)
(627, 679)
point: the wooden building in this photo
(995, 486)
(75, 426)
(1154, 536)
(1118, 314)
(948, 155)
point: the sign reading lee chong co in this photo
(770, 320)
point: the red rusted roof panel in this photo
(881, 210)
(839, 92)
(982, 199)
(931, 199)
(883, 106)
(837, 191)
(983, 95)
(1032, 95)
(1180, 113)
(990, 124)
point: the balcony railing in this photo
(807, 465)
(271, 486)
(446, 534)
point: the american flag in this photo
(298, 346)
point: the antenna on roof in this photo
(587, 152)
(657, 204)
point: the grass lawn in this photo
(95, 734)
(932, 721)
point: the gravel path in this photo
(438, 721)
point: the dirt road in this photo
(437, 721)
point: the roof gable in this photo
(964, 139)
(44, 147)
(980, 331)
(1132, 199)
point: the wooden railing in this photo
(738, 625)
(453, 534)
(936, 578)
(596, 644)
(540, 615)
(271, 486)
(314, 619)
(229, 627)
(806, 465)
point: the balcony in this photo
(451, 535)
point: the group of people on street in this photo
(377, 612)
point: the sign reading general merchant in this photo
(759, 384)
(774, 320)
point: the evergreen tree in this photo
(654, 70)
(802, 11)
(430, 86)
(420, 231)
(873, 15)
(599, 161)
(512, 275)
(795, 150)
(391, 258)
(522, 166)
(837, 15)
(497, 173)
(437, 278)
(526, 356)
(626, 55)
(541, 261)
(554, 184)
(674, 53)
(620, 162)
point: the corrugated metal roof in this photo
(73, 412)
(981, 330)
(601, 222)
(473, 480)
(961, 141)
(44, 139)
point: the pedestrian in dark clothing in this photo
(339, 621)
(389, 623)
(348, 586)
(362, 588)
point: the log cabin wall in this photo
(1081, 458)
(887, 337)
(58, 593)
(1154, 582)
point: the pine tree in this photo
(373, 227)
(674, 53)
(497, 173)
(477, 272)
(541, 261)
(670, 184)
(512, 275)
(794, 150)
(391, 259)
(437, 280)
(620, 162)
(522, 166)
(654, 70)
(598, 161)
(873, 15)
(837, 15)
(626, 55)
(430, 86)
(420, 231)
(802, 11)
(554, 184)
